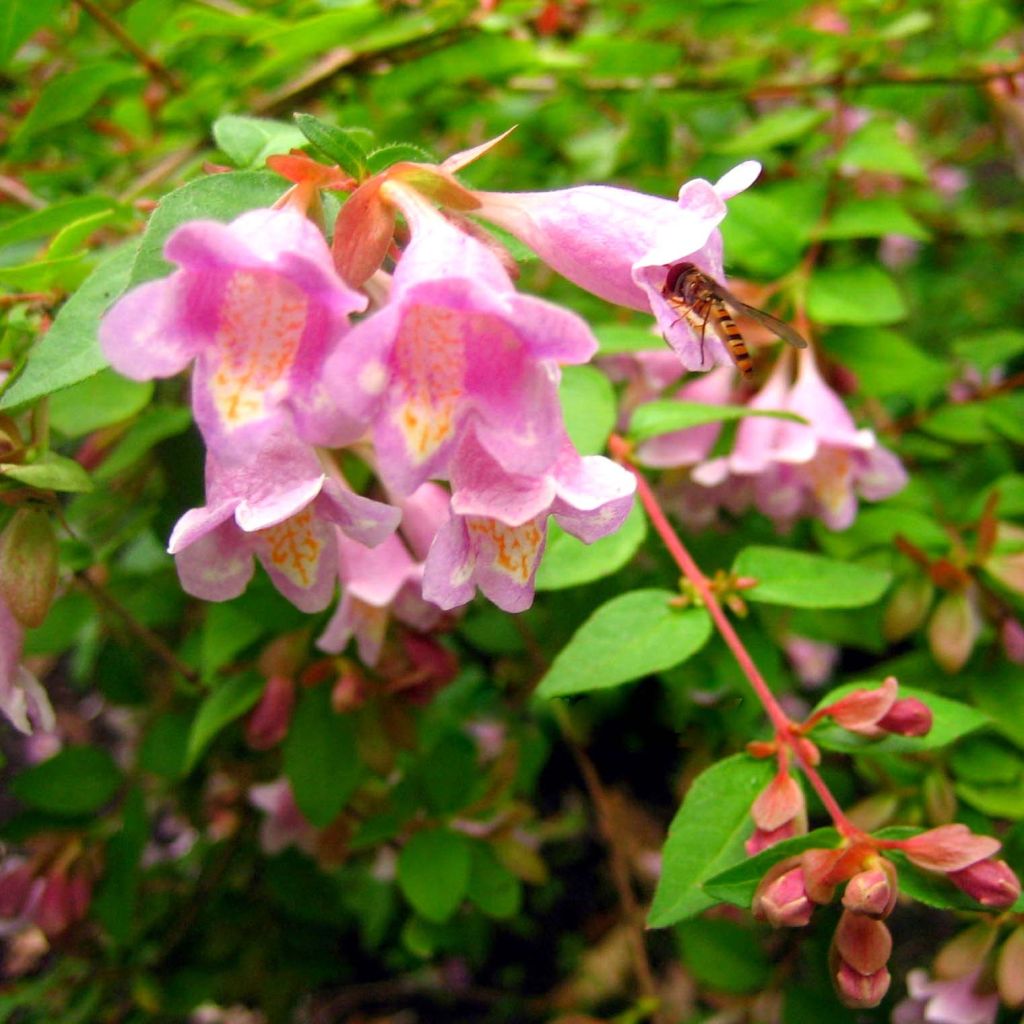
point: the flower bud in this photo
(1010, 970)
(991, 882)
(1011, 633)
(28, 565)
(18, 889)
(779, 802)
(907, 717)
(952, 631)
(939, 798)
(874, 811)
(861, 991)
(63, 901)
(907, 608)
(762, 840)
(948, 848)
(862, 942)
(349, 692)
(965, 952)
(872, 891)
(782, 901)
(860, 711)
(268, 723)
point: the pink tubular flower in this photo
(496, 533)
(781, 898)
(257, 304)
(991, 882)
(455, 347)
(620, 244)
(282, 508)
(23, 701)
(818, 468)
(948, 848)
(268, 722)
(953, 1001)
(779, 812)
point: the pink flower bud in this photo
(991, 882)
(782, 901)
(907, 608)
(781, 801)
(17, 889)
(860, 711)
(268, 723)
(1011, 633)
(1010, 970)
(952, 631)
(28, 565)
(861, 991)
(349, 691)
(948, 848)
(64, 901)
(762, 840)
(872, 891)
(863, 942)
(907, 717)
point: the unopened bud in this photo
(782, 900)
(1011, 633)
(1010, 970)
(268, 723)
(762, 840)
(781, 801)
(907, 717)
(18, 886)
(863, 942)
(28, 566)
(948, 848)
(349, 691)
(991, 882)
(861, 991)
(1008, 568)
(939, 798)
(907, 608)
(860, 710)
(952, 631)
(965, 952)
(63, 902)
(872, 891)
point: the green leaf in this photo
(724, 955)
(665, 416)
(991, 349)
(632, 635)
(228, 701)
(335, 143)
(220, 197)
(873, 218)
(71, 95)
(802, 580)
(951, 720)
(738, 883)
(164, 748)
(20, 19)
(69, 352)
(492, 887)
(73, 236)
(248, 141)
(152, 427)
(114, 905)
(1005, 413)
(50, 472)
(99, 401)
(51, 219)
(321, 760)
(589, 407)
(227, 631)
(760, 235)
(78, 780)
(877, 147)
(64, 272)
(433, 872)
(398, 152)
(445, 773)
(860, 295)
(888, 363)
(779, 128)
(707, 835)
(962, 423)
(1001, 696)
(568, 562)
(614, 339)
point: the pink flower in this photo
(284, 824)
(779, 812)
(23, 701)
(781, 899)
(620, 244)
(952, 1001)
(495, 536)
(948, 848)
(813, 661)
(456, 347)
(257, 304)
(282, 508)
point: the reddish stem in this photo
(786, 731)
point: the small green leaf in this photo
(492, 887)
(220, 197)
(73, 236)
(991, 349)
(50, 472)
(877, 147)
(248, 141)
(69, 352)
(873, 218)
(1000, 694)
(1005, 413)
(63, 272)
(665, 416)
(760, 235)
(114, 905)
(399, 152)
(51, 219)
(962, 423)
(228, 701)
(861, 295)
(738, 883)
(19, 19)
(152, 427)
(615, 339)
(433, 872)
(724, 955)
(632, 635)
(78, 780)
(778, 128)
(951, 720)
(321, 759)
(227, 631)
(802, 580)
(707, 835)
(589, 408)
(335, 143)
(887, 363)
(568, 562)
(99, 401)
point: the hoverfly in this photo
(699, 298)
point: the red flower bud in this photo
(860, 711)
(872, 891)
(18, 887)
(782, 901)
(779, 802)
(1011, 633)
(907, 717)
(948, 848)
(991, 882)
(861, 991)
(862, 942)
(1010, 970)
(64, 900)
(28, 565)
(268, 723)
(761, 840)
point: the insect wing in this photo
(776, 326)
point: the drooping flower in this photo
(496, 533)
(257, 304)
(455, 348)
(282, 508)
